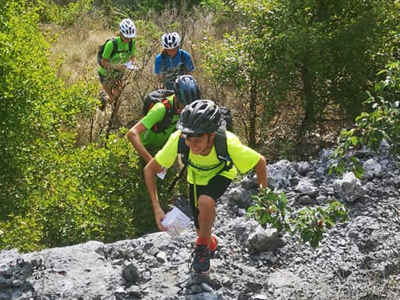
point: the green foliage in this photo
(51, 192)
(64, 15)
(270, 208)
(312, 223)
(381, 123)
(330, 62)
(309, 223)
(89, 193)
(214, 5)
(316, 52)
(238, 62)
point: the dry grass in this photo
(78, 46)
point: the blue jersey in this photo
(172, 67)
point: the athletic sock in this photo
(213, 244)
(202, 241)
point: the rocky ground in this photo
(356, 260)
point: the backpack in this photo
(114, 51)
(154, 97)
(227, 120)
(164, 64)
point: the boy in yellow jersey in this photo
(208, 177)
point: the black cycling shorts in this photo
(215, 188)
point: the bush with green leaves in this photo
(53, 193)
(381, 122)
(94, 192)
(312, 223)
(270, 208)
(312, 59)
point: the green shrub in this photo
(381, 123)
(270, 208)
(309, 223)
(51, 192)
(312, 223)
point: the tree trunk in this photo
(253, 115)
(309, 113)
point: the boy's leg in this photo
(107, 87)
(204, 217)
(117, 89)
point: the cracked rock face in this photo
(356, 260)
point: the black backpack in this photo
(154, 97)
(114, 51)
(227, 120)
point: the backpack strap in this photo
(183, 62)
(115, 47)
(221, 148)
(130, 46)
(183, 150)
(163, 63)
(166, 121)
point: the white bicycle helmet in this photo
(127, 28)
(170, 40)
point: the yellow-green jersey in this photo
(202, 168)
(154, 141)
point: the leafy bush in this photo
(88, 193)
(371, 128)
(285, 52)
(51, 192)
(309, 223)
(312, 223)
(270, 208)
(65, 15)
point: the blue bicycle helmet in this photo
(186, 89)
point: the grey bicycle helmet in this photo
(127, 28)
(200, 116)
(170, 40)
(186, 89)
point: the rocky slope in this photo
(357, 260)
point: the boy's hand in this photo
(160, 215)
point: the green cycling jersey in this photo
(155, 141)
(121, 57)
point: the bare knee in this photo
(206, 202)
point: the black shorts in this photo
(215, 188)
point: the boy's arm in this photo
(150, 171)
(160, 81)
(261, 171)
(157, 71)
(133, 60)
(134, 138)
(105, 63)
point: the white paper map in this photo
(130, 66)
